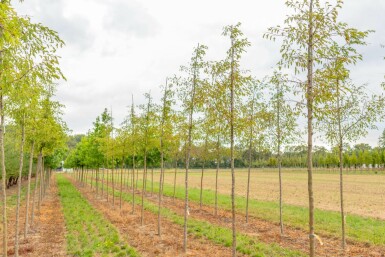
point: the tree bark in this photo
(28, 189)
(4, 177)
(341, 166)
(232, 89)
(176, 167)
(35, 192)
(309, 105)
(21, 160)
(216, 179)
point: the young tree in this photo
(165, 138)
(308, 35)
(237, 87)
(148, 125)
(189, 94)
(254, 126)
(282, 124)
(214, 106)
(346, 115)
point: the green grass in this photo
(220, 235)
(88, 233)
(358, 228)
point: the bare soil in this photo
(47, 235)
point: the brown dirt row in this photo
(145, 238)
(47, 236)
(268, 232)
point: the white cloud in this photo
(118, 47)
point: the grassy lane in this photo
(245, 244)
(88, 233)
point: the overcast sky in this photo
(115, 48)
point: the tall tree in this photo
(237, 87)
(282, 124)
(189, 94)
(347, 114)
(308, 35)
(165, 137)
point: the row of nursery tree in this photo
(361, 156)
(215, 112)
(31, 129)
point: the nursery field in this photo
(82, 216)
(364, 193)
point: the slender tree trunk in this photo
(103, 180)
(38, 171)
(249, 169)
(279, 93)
(143, 188)
(160, 186)
(232, 89)
(201, 192)
(107, 178)
(3, 176)
(133, 185)
(341, 165)
(216, 179)
(152, 180)
(41, 184)
(28, 189)
(161, 177)
(280, 189)
(248, 177)
(309, 105)
(189, 143)
(19, 187)
(121, 183)
(137, 177)
(176, 167)
(97, 181)
(113, 182)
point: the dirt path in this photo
(145, 238)
(268, 232)
(47, 236)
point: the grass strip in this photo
(88, 233)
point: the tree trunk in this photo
(249, 169)
(28, 189)
(341, 166)
(201, 192)
(133, 185)
(19, 187)
(103, 180)
(121, 183)
(188, 152)
(4, 177)
(38, 171)
(216, 179)
(160, 186)
(279, 94)
(152, 180)
(143, 188)
(176, 167)
(309, 105)
(232, 89)
(248, 178)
